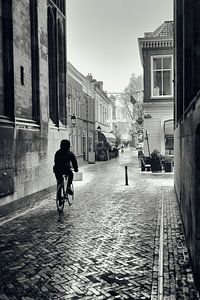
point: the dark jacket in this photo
(63, 160)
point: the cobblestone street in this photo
(105, 246)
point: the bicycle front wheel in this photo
(60, 198)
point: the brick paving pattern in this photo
(103, 247)
(178, 281)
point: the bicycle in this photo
(62, 195)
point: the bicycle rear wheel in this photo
(60, 198)
(70, 198)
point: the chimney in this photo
(89, 77)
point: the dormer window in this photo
(161, 76)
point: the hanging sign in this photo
(140, 120)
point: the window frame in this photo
(57, 70)
(2, 104)
(8, 65)
(35, 66)
(161, 70)
(61, 70)
(52, 65)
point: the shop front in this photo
(105, 147)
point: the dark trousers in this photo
(59, 177)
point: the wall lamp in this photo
(69, 96)
(73, 120)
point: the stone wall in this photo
(187, 183)
(27, 148)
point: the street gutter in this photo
(161, 249)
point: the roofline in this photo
(161, 42)
(71, 69)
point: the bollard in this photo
(126, 175)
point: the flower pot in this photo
(168, 166)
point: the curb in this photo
(172, 276)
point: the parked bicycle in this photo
(63, 196)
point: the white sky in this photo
(103, 36)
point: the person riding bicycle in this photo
(63, 159)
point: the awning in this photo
(109, 137)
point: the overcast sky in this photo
(103, 36)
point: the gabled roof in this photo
(162, 37)
(163, 31)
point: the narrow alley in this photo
(114, 242)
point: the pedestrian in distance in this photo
(63, 160)
(122, 148)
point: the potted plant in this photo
(156, 161)
(167, 164)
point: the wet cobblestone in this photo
(178, 269)
(105, 246)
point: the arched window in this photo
(6, 61)
(1, 64)
(61, 71)
(60, 4)
(53, 107)
(34, 60)
(57, 62)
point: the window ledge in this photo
(53, 126)
(26, 124)
(63, 128)
(6, 122)
(161, 97)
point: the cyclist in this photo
(63, 159)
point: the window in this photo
(96, 110)
(169, 135)
(57, 62)
(1, 65)
(60, 4)
(34, 60)
(78, 104)
(6, 60)
(69, 99)
(61, 71)
(73, 103)
(169, 142)
(161, 76)
(53, 110)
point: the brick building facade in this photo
(81, 103)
